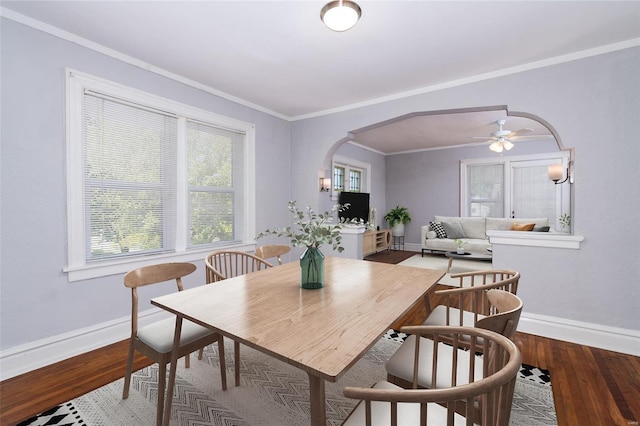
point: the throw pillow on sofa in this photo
(522, 227)
(453, 230)
(438, 229)
(541, 229)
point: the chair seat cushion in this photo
(401, 364)
(438, 316)
(408, 413)
(159, 335)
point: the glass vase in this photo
(312, 268)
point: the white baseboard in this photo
(412, 247)
(30, 356)
(588, 334)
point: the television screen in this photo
(359, 205)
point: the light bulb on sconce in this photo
(556, 172)
(325, 184)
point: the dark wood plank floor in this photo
(590, 386)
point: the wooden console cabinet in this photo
(375, 241)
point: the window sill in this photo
(103, 269)
(535, 239)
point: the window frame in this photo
(350, 164)
(77, 267)
(563, 197)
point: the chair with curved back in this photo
(487, 392)
(467, 303)
(223, 264)
(156, 340)
(272, 250)
(503, 319)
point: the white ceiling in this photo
(278, 57)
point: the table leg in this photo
(317, 400)
(450, 262)
(172, 373)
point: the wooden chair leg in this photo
(127, 375)
(236, 356)
(162, 382)
(223, 364)
(187, 360)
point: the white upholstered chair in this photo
(156, 340)
(486, 390)
(467, 303)
(503, 319)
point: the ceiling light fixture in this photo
(340, 15)
(500, 145)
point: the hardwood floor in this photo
(590, 386)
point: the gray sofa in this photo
(471, 230)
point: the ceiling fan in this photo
(503, 139)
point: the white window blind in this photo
(533, 194)
(486, 190)
(129, 178)
(214, 168)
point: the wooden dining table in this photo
(323, 332)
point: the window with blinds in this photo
(129, 178)
(148, 177)
(214, 164)
(514, 187)
(485, 184)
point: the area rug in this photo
(438, 261)
(272, 393)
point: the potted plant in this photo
(398, 217)
(313, 230)
(565, 221)
(459, 245)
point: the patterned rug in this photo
(271, 393)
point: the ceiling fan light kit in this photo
(503, 139)
(340, 15)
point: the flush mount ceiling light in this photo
(340, 15)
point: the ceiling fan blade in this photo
(487, 138)
(529, 137)
(519, 132)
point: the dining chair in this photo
(223, 264)
(156, 340)
(503, 319)
(272, 250)
(466, 303)
(487, 390)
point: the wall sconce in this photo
(325, 184)
(555, 173)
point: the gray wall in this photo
(37, 301)
(593, 103)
